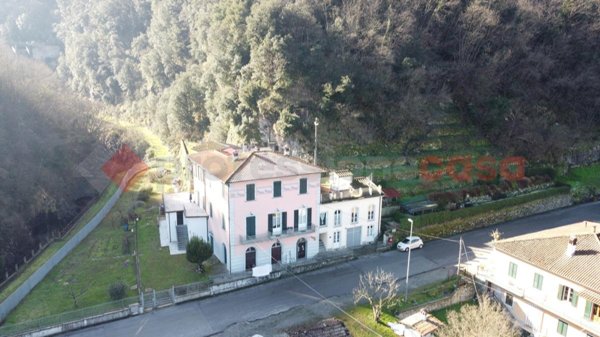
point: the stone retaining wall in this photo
(84, 323)
(499, 216)
(462, 294)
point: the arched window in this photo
(301, 249)
(276, 253)
(250, 258)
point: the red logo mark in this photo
(459, 168)
(117, 167)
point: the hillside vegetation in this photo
(525, 73)
(45, 132)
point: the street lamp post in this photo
(316, 125)
(408, 264)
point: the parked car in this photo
(412, 242)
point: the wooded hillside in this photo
(525, 72)
(45, 132)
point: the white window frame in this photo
(337, 218)
(354, 215)
(302, 218)
(370, 230)
(336, 237)
(371, 213)
(277, 221)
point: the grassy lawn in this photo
(583, 176)
(364, 314)
(86, 273)
(103, 258)
(160, 270)
(56, 245)
(442, 314)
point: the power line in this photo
(286, 268)
(431, 236)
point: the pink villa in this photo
(262, 206)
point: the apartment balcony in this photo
(290, 231)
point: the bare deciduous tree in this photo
(378, 288)
(487, 319)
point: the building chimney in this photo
(235, 155)
(286, 151)
(572, 246)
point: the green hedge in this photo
(445, 216)
(468, 219)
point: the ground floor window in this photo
(250, 258)
(336, 237)
(562, 328)
(301, 249)
(370, 231)
(508, 300)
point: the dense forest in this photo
(525, 72)
(46, 133)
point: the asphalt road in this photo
(214, 315)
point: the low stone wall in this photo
(462, 294)
(499, 216)
(84, 323)
(181, 294)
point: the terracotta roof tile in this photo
(251, 165)
(547, 252)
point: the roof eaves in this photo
(321, 170)
(532, 263)
(227, 179)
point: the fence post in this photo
(173, 294)
(153, 298)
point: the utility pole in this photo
(408, 264)
(316, 125)
(460, 244)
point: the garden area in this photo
(54, 246)
(103, 268)
(363, 314)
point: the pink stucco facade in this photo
(228, 209)
(264, 204)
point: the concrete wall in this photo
(197, 227)
(211, 192)
(500, 216)
(83, 323)
(462, 294)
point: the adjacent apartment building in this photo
(350, 213)
(550, 280)
(262, 206)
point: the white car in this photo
(412, 242)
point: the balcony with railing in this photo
(285, 232)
